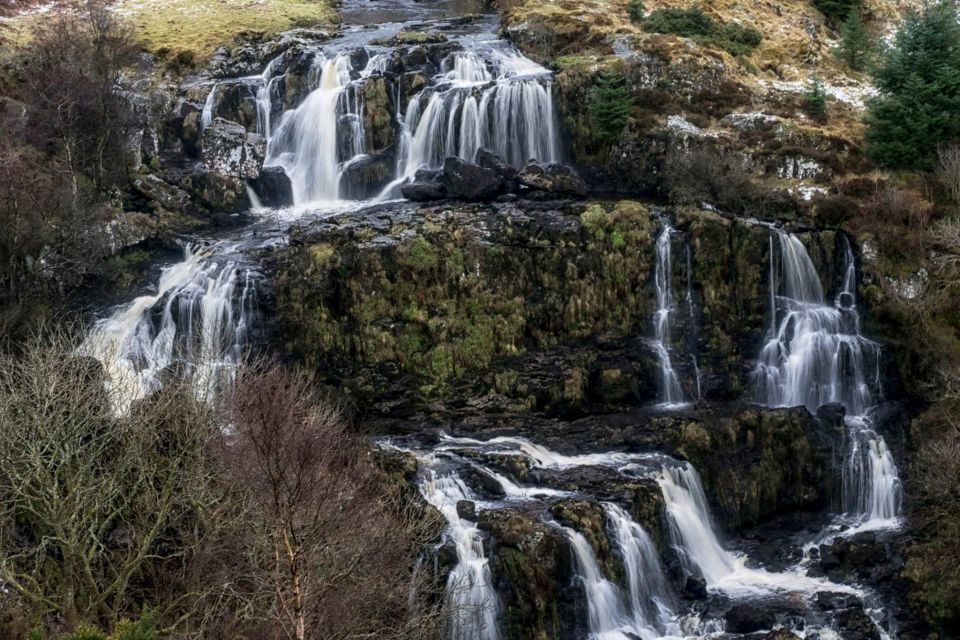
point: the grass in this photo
(191, 30)
(200, 26)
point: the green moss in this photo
(419, 255)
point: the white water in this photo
(206, 116)
(307, 140)
(669, 385)
(701, 553)
(472, 601)
(195, 319)
(814, 354)
(607, 617)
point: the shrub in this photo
(918, 81)
(948, 171)
(610, 106)
(635, 10)
(694, 23)
(836, 10)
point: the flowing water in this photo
(668, 384)
(814, 354)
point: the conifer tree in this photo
(610, 106)
(918, 80)
(816, 98)
(855, 44)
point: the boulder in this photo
(217, 192)
(552, 178)
(273, 187)
(470, 181)
(748, 618)
(365, 176)
(467, 510)
(420, 191)
(161, 193)
(695, 588)
(229, 150)
(489, 160)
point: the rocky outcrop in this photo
(552, 178)
(273, 187)
(229, 150)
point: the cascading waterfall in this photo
(669, 385)
(317, 139)
(606, 615)
(196, 319)
(472, 600)
(650, 599)
(510, 113)
(206, 116)
(814, 354)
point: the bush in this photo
(610, 106)
(694, 23)
(635, 10)
(836, 10)
(918, 81)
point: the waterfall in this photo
(314, 141)
(206, 116)
(691, 310)
(607, 617)
(701, 553)
(669, 384)
(813, 355)
(265, 100)
(471, 598)
(196, 319)
(650, 599)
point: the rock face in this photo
(553, 178)
(229, 150)
(273, 187)
(470, 181)
(162, 194)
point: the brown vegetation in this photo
(280, 525)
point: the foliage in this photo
(815, 98)
(694, 23)
(948, 171)
(918, 81)
(635, 10)
(837, 10)
(855, 45)
(610, 106)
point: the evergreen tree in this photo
(918, 80)
(610, 106)
(816, 98)
(635, 10)
(855, 44)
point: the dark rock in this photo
(489, 160)
(365, 176)
(855, 624)
(748, 618)
(695, 588)
(422, 191)
(829, 601)
(218, 193)
(164, 195)
(470, 181)
(467, 510)
(552, 178)
(273, 187)
(229, 150)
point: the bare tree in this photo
(341, 546)
(948, 170)
(89, 501)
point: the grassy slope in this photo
(198, 27)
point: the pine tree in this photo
(635, 10)
(918, 80)
(855, 44)
(816, 98)
(610, 106)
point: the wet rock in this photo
(781, 634)
(162, 194)
(365, 176)
(467, 510)
(695, 588)
(229, 150)
(830, 601)
(273, 187)
(748, 618)
(552, 178)
(470, 181)
(490, 160)
(855, 624)
(217, 192)
(423, 191)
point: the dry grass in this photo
(198, 27)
